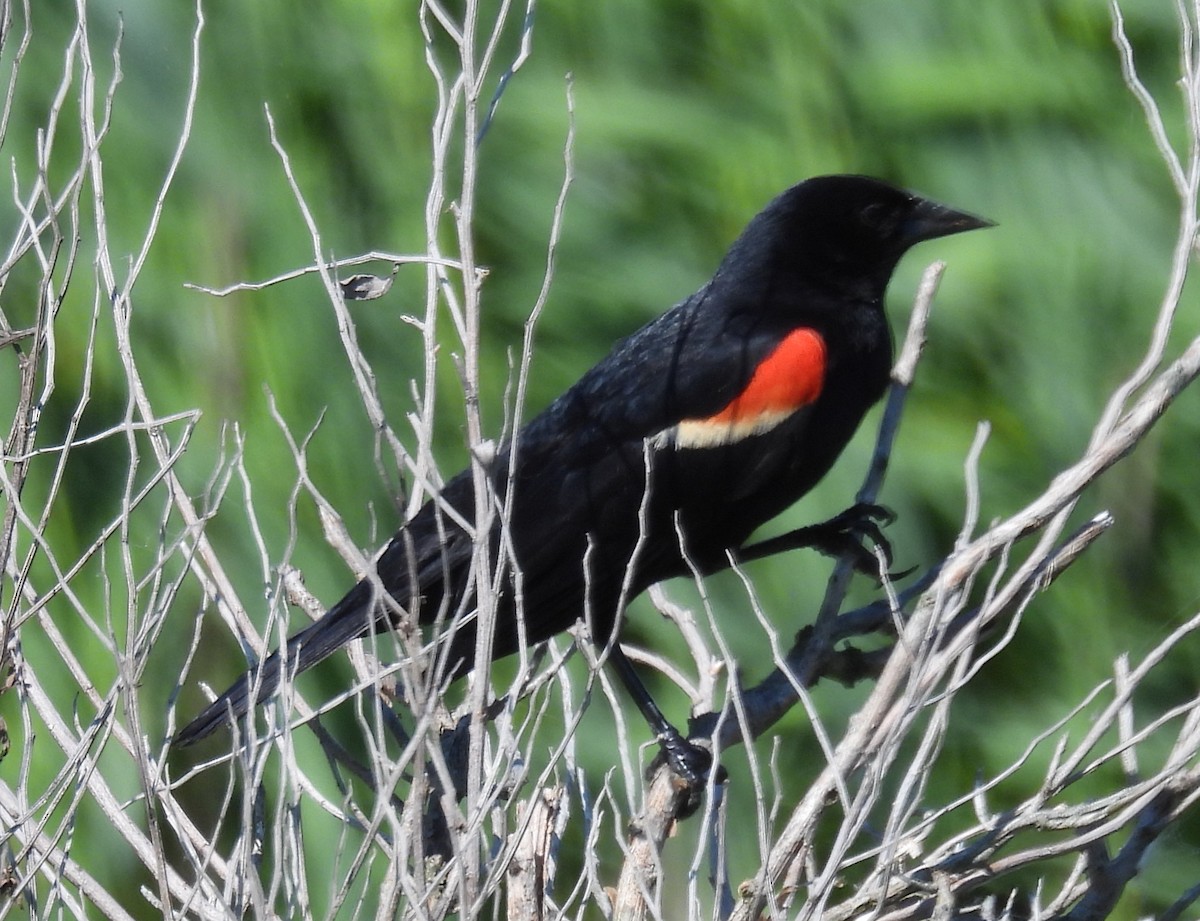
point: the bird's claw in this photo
(692, 765)
(863, 521)
(841, 536)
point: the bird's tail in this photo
(349, 619)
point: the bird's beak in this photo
(928, 220)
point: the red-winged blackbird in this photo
(698, 428)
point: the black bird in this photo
(706, 423)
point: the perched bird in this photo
(694, 431)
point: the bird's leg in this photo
(688, 761)
(840, 535)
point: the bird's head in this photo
(848, 232)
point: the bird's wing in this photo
(704, 373)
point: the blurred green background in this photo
(689, 117)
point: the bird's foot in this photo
(691, 765)
(842, 535)
(845, 534)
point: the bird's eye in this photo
(876, 216)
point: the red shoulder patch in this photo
(790, 377)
